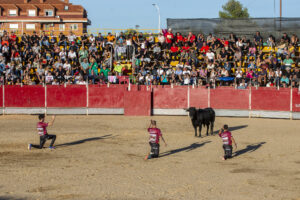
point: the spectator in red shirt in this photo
(204, 48)
(179, 39)
(169, 38)
(191, 38)
(186, 47)
(12, 37)
(174, 50)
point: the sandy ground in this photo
(101, 157)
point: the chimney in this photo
(26, 1)
(66, 1)
(42, 1)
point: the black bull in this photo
(202, 117)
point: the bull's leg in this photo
(207, 130)
(212, 128)
(195, 127)
(200, 128)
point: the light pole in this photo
(157, 8)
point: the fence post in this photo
(45, 86)
(188, 97)
(3, 96)
(291, 104)
(208, 98)
(250, 101)
(87, 98)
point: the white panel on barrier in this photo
(106, 111)
(66, 111)
(169, 112)
(296, 115)
(1, 111)
(27, 111)
(232, 113)
(270, 114)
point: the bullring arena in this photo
(101, 157)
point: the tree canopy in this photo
(233, 9)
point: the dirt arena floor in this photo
(102, 157)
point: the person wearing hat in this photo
(43, 133)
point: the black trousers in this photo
(43, 139)
(227, 151)
(154, 150)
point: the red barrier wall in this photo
(199, 97)
(137, 103)
(296, 100)
(229, 98)
(29, 96)
(106, 97)
(66, 97)
(171, 98)
(270, 99)
(1, 96)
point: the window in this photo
(74, 27)
(62, 27)
(49, 13)
(47, 27)
(30, 26)
(12, 12)
(66, 7)
(31, 13)
(13, 26)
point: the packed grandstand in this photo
(139, 58)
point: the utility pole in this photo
(280, 14)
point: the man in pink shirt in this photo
(42, 131)
(228, 139)
(154, 134)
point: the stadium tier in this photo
(145, 59)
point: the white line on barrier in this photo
(250, 101)
(291, 104)
(3, 96)
(45, 86)
(188, 97)
(208, 98)
(87, 98)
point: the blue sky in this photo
(124, 14)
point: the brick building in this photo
(26, 16)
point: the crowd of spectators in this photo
(166, 58)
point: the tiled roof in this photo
(74, 12)
(59, 5)
(31, 1)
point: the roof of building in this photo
(72, 13)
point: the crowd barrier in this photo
(134, 100)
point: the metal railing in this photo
(56, 31)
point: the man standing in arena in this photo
(42, 131)
(228, 139)
(155, 134)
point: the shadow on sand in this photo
(233, 128)
(187, 149)
(248, 149)
(10, 198)
(84, 140)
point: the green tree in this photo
(233, 9)
(130, 31)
